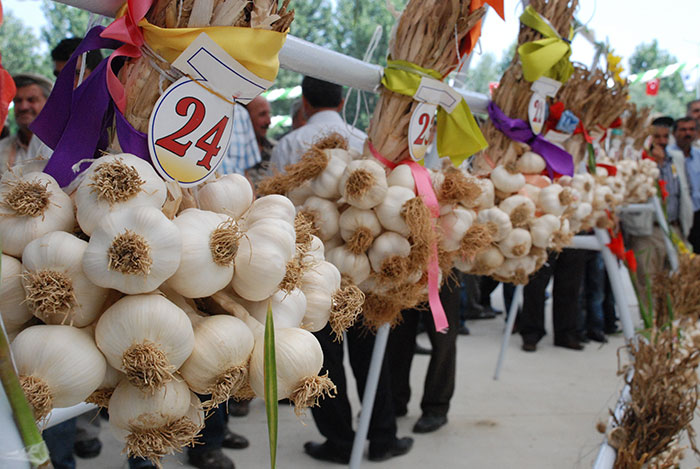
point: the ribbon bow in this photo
(458, 135)
(548, 56)
(558, 160)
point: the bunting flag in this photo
(662, 72)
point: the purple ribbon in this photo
(558, 160)
(75, 122)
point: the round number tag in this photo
(419, 130)
(188, 132)
(537, 112)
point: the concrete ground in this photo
(542, 413)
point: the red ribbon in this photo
(424, 187)
(612, 170)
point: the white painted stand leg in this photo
(512, 315)
(661, 219)
(375, 368)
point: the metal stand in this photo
(512, 315)
(375, 368)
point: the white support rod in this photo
(661, 219)
(66, 413)
(512, 315)
(648, 207)
(588, 242)
(606, 453)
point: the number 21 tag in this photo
(419, 130)
(537, 112)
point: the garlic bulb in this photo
(262, 257)
(114, 182)
(230, 195)
(359, 227)
(542, 228)
(388, 255)
(218, 364)
(103, 393)
(300, 193)
(153, 424)
(209, 245)
(354, 266)
(520, 209)
(402, 176)
(147, 337)
(602, 197)
(57, 290)
(498, 221)
(58, 366)
(316, 251)
(31, 206)
(288, 308)
(517, 270)
(13, 308)
(530, 191)
(555, 199)
(505, 181)
(489, 258)
(324, 214)
(487, 197)
(299, 360)
(363, 185)
(584, 183)
(454, 226)
(319, 283)
(325, 185)
(133, 250)
(516, 244)
(271, 206)
(530, 163)
(390, 211)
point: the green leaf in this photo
(271, 385)
(591, 159)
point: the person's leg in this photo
(473, 309)
(59, 440)
(402, 343)
(694, 235)
(87, 442)
(531, 321)
(595, 295)
(208, 454)
(568, 277)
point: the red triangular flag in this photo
(653, 87)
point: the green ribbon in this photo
(548, 56)
(458, 134)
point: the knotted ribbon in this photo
(557, 159)
(458, 135)
(548, 56)
(424, 187)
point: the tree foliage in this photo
(62, 21)
(20, 48)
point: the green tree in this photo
(484, 72)
(20, 49)
(62, 21)
(672, 96)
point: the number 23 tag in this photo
(419, 130)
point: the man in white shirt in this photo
(32, 92)
(321, 105)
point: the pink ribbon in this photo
(424, 187)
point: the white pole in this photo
(512, 314)
(375, 368)
(661, 219)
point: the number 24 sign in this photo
(189, 131)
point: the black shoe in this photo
(582, 337)
(209, 459)
(87, 449)
(463, 330)
(429, 423)
(598, 336)
(612, 330)
(234, 441)
(420, 350)
(479, 313)
(400, 447)
(492, 310)
(238, 408)
(324, 452)
(400, 411)
(569, 342)
(529, 347)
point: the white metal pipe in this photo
(66, 413)
(647, 207)
(606, 453)
(375, 368)
(588, 242)
(512, 314)
(661, 219)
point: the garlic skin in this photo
(531, 192)
(354, 266)
(145, 325)
(319, 283)
(288, 308)
(13, 308)
(487, 197)
(517, 244)
(354, 218)
(325, 185)
(209, 245)
(490, 258)
(316, 252)
(62, 361)
(584, 184)
(230, 195)
(325, 215)
(133, 250)
(402, 176)
(271, 206)
(530, 163)
(513, 268)
(31, 206)
(222, 343)
(505, 181)
(300, 193)
(363, 184)
(389, 212)
(262, 257)
(550, 200)
(388, 244)
(114, 182)
(500, 222)
(520, 209)
(542, 228)
(53, 272)
(454, 226)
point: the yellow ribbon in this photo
(548, 56)
(458, 135)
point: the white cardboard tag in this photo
(546, 86)
(537, 112)
(433, 91)
(419, 130)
